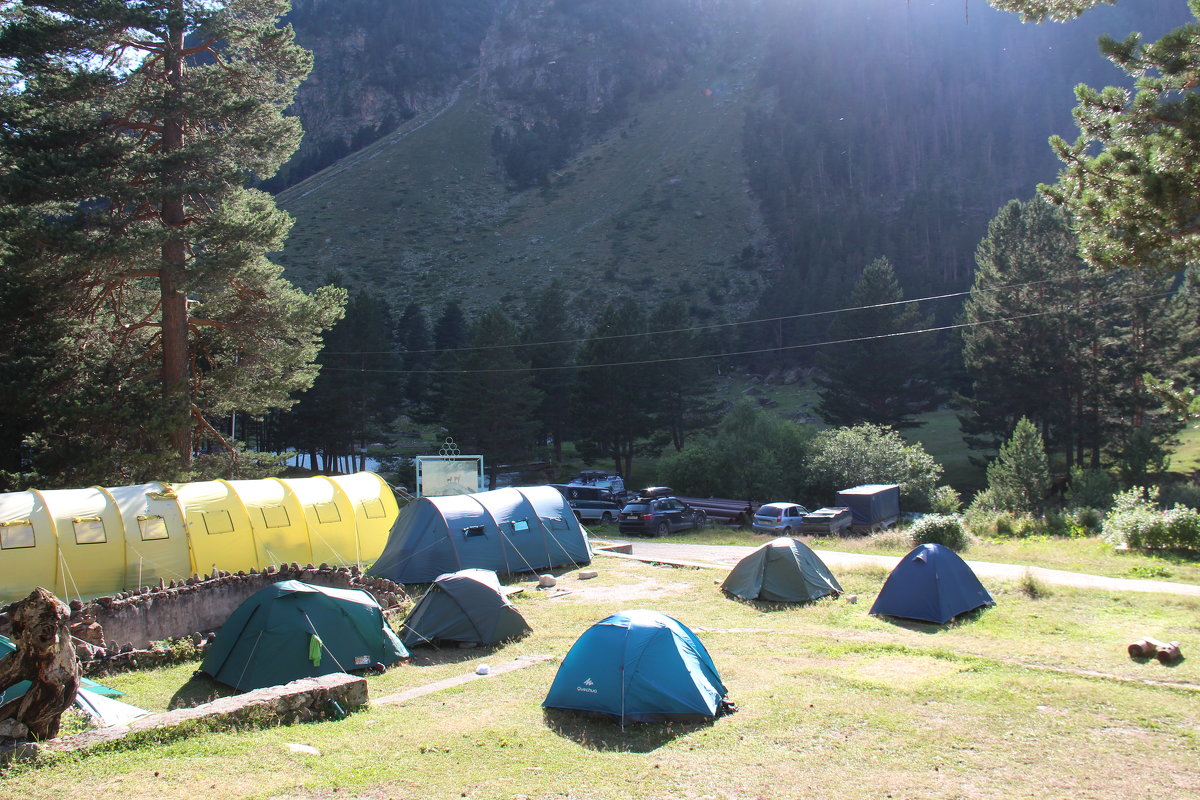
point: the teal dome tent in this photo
(292, 630)
(783, 571)
(639, 666)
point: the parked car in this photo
(783, 519)
(601, 480)
(590, 503)
(658, 516)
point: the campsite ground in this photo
(1035, 697)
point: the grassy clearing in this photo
(1033, 698)
(1091, 555)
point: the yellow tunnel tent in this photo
(330, 517)
(156, 546)
(91, 541)
(276, 521)
(83, 543)
(28, 545)
(375, 509)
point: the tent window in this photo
(216, 522)
(89, 530)
(474, 530)
(16, 534)
(373, 509)
(520, 525)
(275, 517)
(152, 528)
(327, 513)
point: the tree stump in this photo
(46, 658)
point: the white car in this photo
(780, 518)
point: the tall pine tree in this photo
(128, 138)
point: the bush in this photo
(945, 500)
(1136, 521)
(1019, 478)
(1180, 494)
(943, 529)
(845, 457)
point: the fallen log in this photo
(1165, 652)
(1169, 653)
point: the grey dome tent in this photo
(933, 584)
(463, 606)
(292, 630)
(507, 530)
(783, 570)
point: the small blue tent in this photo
(639, 666)
(932, 584)
(463, 606)
(508, 530)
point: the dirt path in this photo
(725, 556)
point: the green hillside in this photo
(659, 206)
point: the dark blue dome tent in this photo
(639, 666)
(933, 584)
(508, 530)
(464, 606)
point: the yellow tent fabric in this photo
(375, 510)
(276, 520)
(83, 543)
(156, 546)
(218, 527)
(330, 517)
(91, 542)
(28, 545)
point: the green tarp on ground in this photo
(783, 571)
(292, 630)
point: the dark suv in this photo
(658, 516)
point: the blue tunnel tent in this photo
(639, 666)
(463, 606)
(932, 584)
(292, 630)
(783, 570)
(507, 530)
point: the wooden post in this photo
(46, 658)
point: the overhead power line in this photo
(757, 351)
(693, 329)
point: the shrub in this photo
(866, 453)
(1137, 522)
(1019, 478)
(945, 500)
(943, 529)
(1032, 586)
(1180, 494)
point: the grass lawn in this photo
(1090, 555)
(1032, 698)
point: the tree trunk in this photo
(45, 657)
(176, 390)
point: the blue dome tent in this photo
(639, 666)
(932, 584)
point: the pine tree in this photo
(416, 356)
(128, 140)
(492, 400)
(883, 379)
(1019, 477)
(551, 332)
(1134, 200)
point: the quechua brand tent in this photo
(639, 666)
(463, 606)
(292, 630)
(506, 530)
(933, 584)
(783, 570)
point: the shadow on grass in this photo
(603, 733)
(199, 690)
(774, 606)
(450, 653)
(919, 626)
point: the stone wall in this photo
(130, 621)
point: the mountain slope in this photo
(659, 206)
